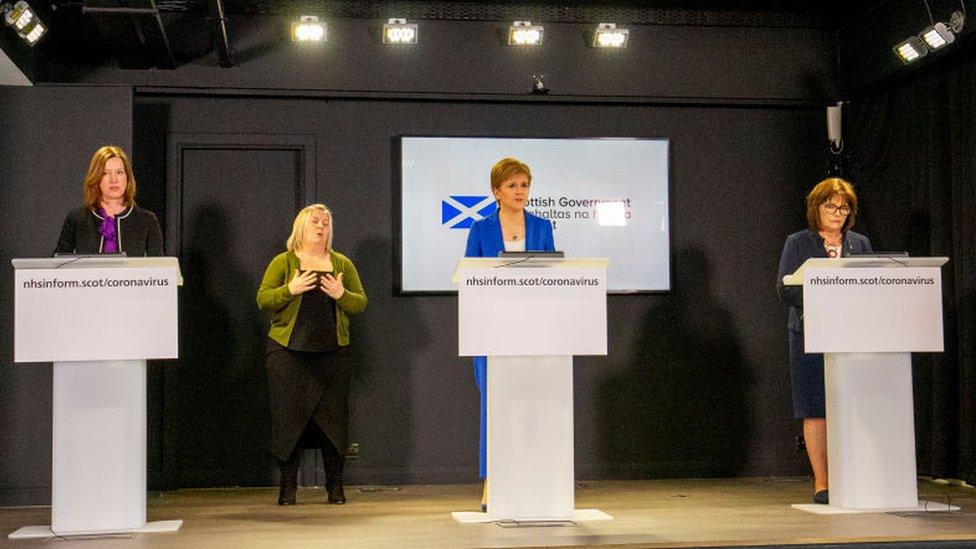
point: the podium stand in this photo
(97, 319)
(529, 316)
(867, 315)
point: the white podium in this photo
(867, 315)
(97, 319)
(529, 317)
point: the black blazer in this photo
(801, 246)
(138, 231)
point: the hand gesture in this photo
(301, 282)
(332, 286)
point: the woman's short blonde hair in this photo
(507, 168)
(96, 169)
(297, 237)
(823, 192)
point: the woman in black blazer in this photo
(110, 221)
(831, 210)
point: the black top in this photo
(137, 229)
(315, 325)
(801, 246)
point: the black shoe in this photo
(333, 461)
(286, 494)
(484, 507)
(288, 484)
(821, 497)
(337, 496)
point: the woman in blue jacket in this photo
(831, 210)
(512, 229)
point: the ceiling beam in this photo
(134, 31)
(222, 39)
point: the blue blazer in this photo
(485, 237)
(801, 246)
(485, 240)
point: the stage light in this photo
(607, 35)
(22, 18)
(933, 37)
(911, 49)
(398, 31)
(524, 33)
(937, 36)
(308, 28)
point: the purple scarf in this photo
(108, 230)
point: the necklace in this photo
(516, 227)
(833, 248)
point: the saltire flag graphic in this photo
(459, 212)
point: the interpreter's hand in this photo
(301, 282)
(332, 286)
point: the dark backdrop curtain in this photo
(912, 157)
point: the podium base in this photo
(923, 507)
(44, 532)
(579, 515)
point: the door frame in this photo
(179, 143)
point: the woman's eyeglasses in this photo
(834, 209)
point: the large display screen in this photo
(606, 197)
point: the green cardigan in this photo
(273, 296)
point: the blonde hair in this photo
(830, 187)
(297, 237)
(96, 169)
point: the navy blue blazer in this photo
(485, 237)
(801, 246)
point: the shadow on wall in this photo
(383, 373)
(222, 386)
(149, 164)
(149, 159)
(683, 409)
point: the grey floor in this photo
(660, 513)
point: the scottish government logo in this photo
(459, 212)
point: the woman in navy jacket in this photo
(831, 210)
(509, 228)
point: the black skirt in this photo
(307, 386)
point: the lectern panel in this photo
(871, 310)
(107, 313)
(532, 311)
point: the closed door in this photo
(234, 205)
